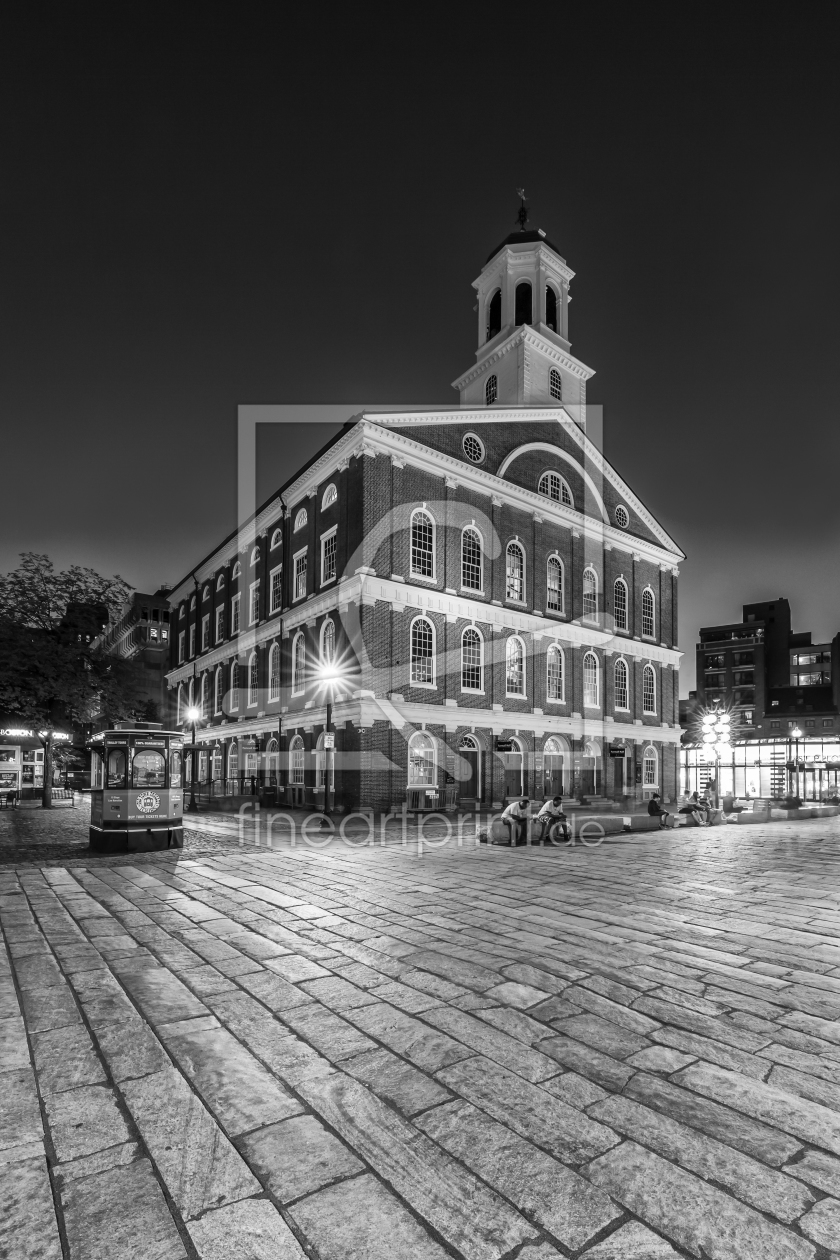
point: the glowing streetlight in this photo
(716, 734)
(330, 675)
(796, 734)
(193, 714)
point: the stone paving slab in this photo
(624, 1053)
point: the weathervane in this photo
(522, 217)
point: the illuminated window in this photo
(471, 560)
(590, 680)
(422, 651)
(514, 667)
(515, 572)
(422, 545)
(471, 660)
(421, 759)
(621, 688)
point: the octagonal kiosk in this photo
(137, 798)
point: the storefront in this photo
(22, 760)
(768, 768)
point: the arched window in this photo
(422, 651)
(491, 389)
(330, 496)
(234, 686)
(301, 519)
(590, 594)
(219, 690)
(554, 674)
(620, 604)
(472, 661)
(523, 303)
(621, 689)
(551, 317)
(237, 569)
(296, 760)
(648, 613)
(648, 689)
(590, 680)
(179, 705)
(514, 666)
(515, 572)
(216, 763)
(205, 594)
(554, 584)
(299, 664)
(650, 767)
(220, 582)
(192, 604)
(422, 545)
(494, 315)
(274, 672)
(328, 642)
(205, 695)
(233, 761)
(473, 447)
(255, 555)
(421, 760)
(471, 559)
(555, 384)
(276, 538)
(272, 762)
(553, 486)
(253, 680)
(182, 612)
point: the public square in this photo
(624, 1052)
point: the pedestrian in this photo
(516, 818)
(656, 811)
(552, 818)
(696, 808)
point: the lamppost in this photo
(193, 714)
(796, 735)
(331, 676)
(717, 732)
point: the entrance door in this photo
(590, 771)
(514, 779)
(552, 768)
(469, 787)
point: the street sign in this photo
(504, 745)
(618, 750)
(329, 740)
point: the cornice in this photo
(528, 336)
(529, 251)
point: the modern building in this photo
(141, 634)
(486, 605)
(783, 693)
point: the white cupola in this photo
(523, 354)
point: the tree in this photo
(51, 671)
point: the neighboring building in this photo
(774, 682)
(501, 605)
(141, 633)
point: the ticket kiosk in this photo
(137, 796)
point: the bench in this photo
(64, 795)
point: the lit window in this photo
(220, 623)
(590, 594)
(299, 665)
(515, 572)
(622, 517)
(421, 759)
(514, 667)
(330, 496)
(276, 538)
(253, 680)
(554, 585)
(553, 486)
(471, 560)
(621, 689)
(473, 448)
(555, 384)
(328, 557)
(274, 672)
(590, 680)
(650, 776)
(471, 670)
(648, 620)
(422, 545)
(328, 642)
(234, 686)
(301, 519)
(422, 651)
(276, 589)
(300, 575)
(234, 615)
(491, 390)
(554, 673)
(648, 689)
(620, 604)
(296, 757)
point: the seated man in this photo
(656, 811)
(516, 817)
(552, 819)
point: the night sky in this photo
(207, 206)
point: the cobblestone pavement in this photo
(629, 1052)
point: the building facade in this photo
(141, 634)
(783, 693)
(485, 604)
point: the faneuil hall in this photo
(483, 603)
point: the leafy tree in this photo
(51, 674)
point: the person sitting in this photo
(516, 817)
(696, 808)
(656, 811)
(552, 819)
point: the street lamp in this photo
(193, 714)
(796, 735)
(716, 730)
(331, 675)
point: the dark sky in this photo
(207, 206)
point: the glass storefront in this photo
(768, 768)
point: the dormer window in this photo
(523, 304)
(301, 519)
(491, 390)
(494, 315)
(551, 309)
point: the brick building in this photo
(141, 634)
(500, 606)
